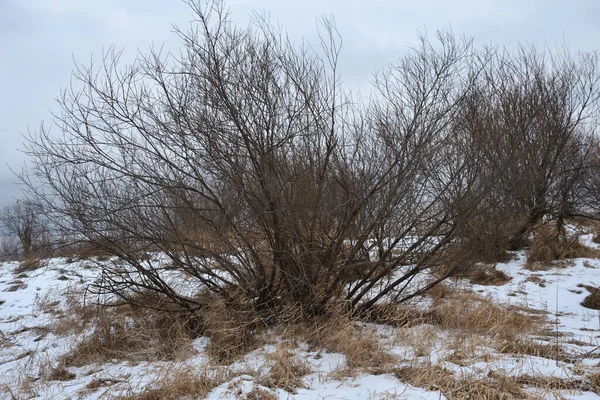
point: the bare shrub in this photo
(532, 117)
(246, 163)
(26, 221)
(272, 178)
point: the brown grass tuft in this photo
(61, 374)
(100, 383)
(465, 312)
(231, 328)
(593, 299)
(548, 245)
(27, 265)
(132, 333)
(337, 332)
(180, 383)
(595, 382)
(286, 371)
(533, 348)
(433, 377)
(259, 394)
(487, 275)
(395, 314)
(362, 346)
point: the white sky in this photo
(39, 40)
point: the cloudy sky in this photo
(40, 39)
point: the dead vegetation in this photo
(295, 216)
(467, 313)
(550, 245)
(530, 347)
(433, 377)
(397, 315)
(117, 331)
(592, 300)
(126, 332)
(28, 264)
(61, 374)
(286, 371)
(16, 285)
(259, 394)
(338, 333)
(488, 275)
(231, 328)
(494, 386)
(179, 383)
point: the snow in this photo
(29, 347)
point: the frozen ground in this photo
(30, 347)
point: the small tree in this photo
(24, 220)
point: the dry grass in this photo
(338, 333)
(433, 377)
(16, 285)
(60, 374)
(28, 264)
(129, 333)
(494, 386)
(467, 313)
(533, 348)
(595, 382)
(180, 383)
(98, 383)
(593, 299)
(231, 328)
(286, 371)
(74, 317)
(488, 275)
(548, 246)
(550, 384)
(136, 333)
(395, 314)
(259, 394)
(422, 339)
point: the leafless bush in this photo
(245, 163)
(24, 223)
(533, 116)
(248, 166)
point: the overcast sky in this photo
(39, 40)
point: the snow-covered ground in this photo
(30, 345)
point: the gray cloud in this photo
(40, 39)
